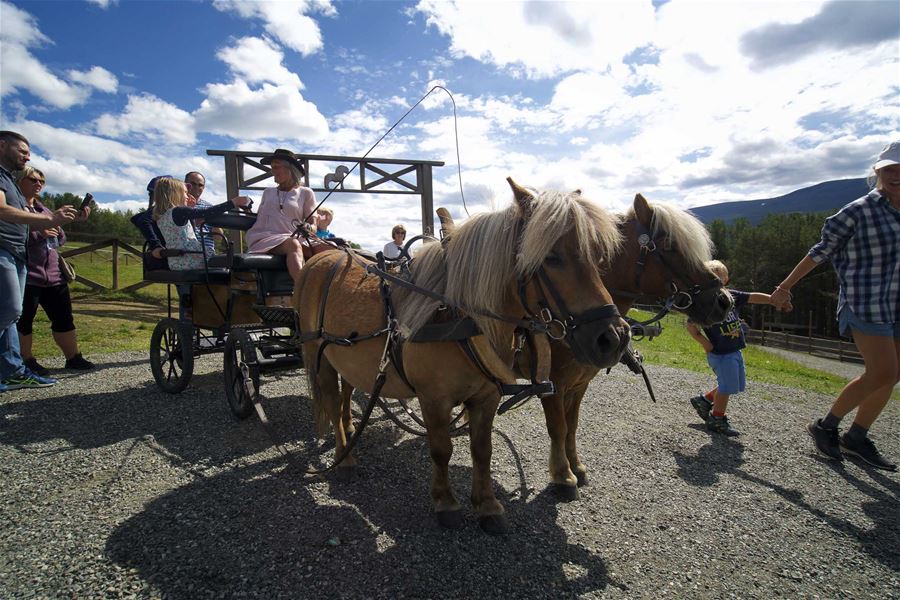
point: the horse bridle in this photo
(679, 298)
(567, 325)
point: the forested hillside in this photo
(760, 256)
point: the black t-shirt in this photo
(728, 336)
(13, 236)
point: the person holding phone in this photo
(45, 285)
(15, 152)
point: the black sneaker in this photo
(79, 363)
(36, 367)
(826, 440)
(866, 451)
(721, 425)
(702, 406)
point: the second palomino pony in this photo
(536, 261)
(663, 257)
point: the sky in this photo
(686, 102)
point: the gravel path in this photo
(114, 489)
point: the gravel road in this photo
(113, 489)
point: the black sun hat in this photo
(285, 155)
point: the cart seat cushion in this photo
(220, 276)
(250, 262)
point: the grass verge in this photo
(675, 348)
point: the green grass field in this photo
(115, 321)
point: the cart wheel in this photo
(171, 355)
(239, 348)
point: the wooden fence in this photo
(833, 348)
(115, 245)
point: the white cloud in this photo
(67, 145)
(97, 77)
(258, 60)
(287, 20)
(272, 111)
(581, 96)
(22, 71)
(542, 39)
(104, 4)
(149, 117)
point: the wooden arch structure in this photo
(371, 176)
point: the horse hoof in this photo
(582, 479)
(345, 474)
(494, 524)
(450, 519)
(565, 493)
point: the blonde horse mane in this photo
(475, 268)
(683, 230)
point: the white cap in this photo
(889, 156)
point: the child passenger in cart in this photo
(173, 217)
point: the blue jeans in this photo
(12, 293)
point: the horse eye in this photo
(553, 260)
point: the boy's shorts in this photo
(847, 321)
(729, 370)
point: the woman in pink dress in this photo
(281, 210)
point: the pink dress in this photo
(278, 216)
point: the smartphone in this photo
(88, 198)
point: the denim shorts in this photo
(729, 370)
(847, 320)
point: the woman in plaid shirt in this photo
(863, 243)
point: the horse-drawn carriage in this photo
(240, 306)
(553, 274)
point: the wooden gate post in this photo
(115, 264)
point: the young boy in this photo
(723, 343)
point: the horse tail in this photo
(320, 413)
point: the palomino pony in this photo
(662, 257)
(497, 269)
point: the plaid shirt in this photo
(863, 242)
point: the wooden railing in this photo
(115, 245)
(833, 348)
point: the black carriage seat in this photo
(271, 270)
(198, 276)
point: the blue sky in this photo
(686, 102)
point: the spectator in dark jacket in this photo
(45, 285)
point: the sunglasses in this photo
(35, 180)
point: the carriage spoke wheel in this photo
(171, 355)
(240, 362)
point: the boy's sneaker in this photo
(27, 380)
(721, 425)
(79, 363)
(826, 440)
(866, 451)
(37, 368)
(702, 406)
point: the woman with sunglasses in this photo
(282, 209)
(45, 285)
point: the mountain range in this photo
(827, 196)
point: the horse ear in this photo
(642, 210)
(447, 224)
(523, 197)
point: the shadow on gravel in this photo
(266, 531)
(723, 456)
(191, 428)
